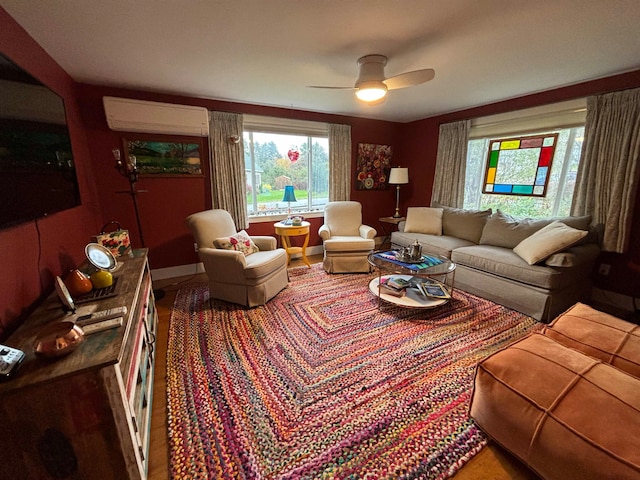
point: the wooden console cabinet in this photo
(85, 415)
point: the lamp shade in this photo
(399, 176)
(289, 196)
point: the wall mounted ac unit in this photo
(125, 114)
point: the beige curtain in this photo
(228, 178)
(448, 184)
(608, 174)
(339, 162)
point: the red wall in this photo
(169, 201)
(34, 252)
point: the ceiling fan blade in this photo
(331, 88)
(410, 79)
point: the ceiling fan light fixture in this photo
(371, 91)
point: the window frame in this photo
(285, 126)
(544, 164)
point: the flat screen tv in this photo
(37, 172)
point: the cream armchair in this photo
(247, 280)
(347, 242)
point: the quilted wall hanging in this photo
(373, 166)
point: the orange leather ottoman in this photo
(599, 335)
(563, 413)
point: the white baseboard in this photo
(617, 300)
(195, 268)
(314, 250)
(178, 271)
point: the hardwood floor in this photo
(492, 463)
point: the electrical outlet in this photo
(604, 269)
(195, 247)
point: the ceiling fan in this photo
(372, 86)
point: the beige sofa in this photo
(567, 401)
(482, 246)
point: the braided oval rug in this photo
(319, 383)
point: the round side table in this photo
(286, 231)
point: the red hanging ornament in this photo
(293, 154)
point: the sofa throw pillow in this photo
(502, 230)
(462, 223)
(424, 220)
(548, 240)
(240, 242)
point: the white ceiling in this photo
(267, 51)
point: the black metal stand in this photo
(132, 175)
(133, 192)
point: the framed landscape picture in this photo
(373, 166)
(165, 158)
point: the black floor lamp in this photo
(129, 169)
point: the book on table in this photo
(392, 291)
(391, 286)
(398, 282)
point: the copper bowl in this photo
(58, 339)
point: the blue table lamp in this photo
(289, 197)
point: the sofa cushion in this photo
(505, 263)
(562, 259)
(503, 230)
(240, 242)
(461, 223)
(424, 220)
(599, 335)
(548, 240)
(348, 244)
(563, 413)
(260, 265)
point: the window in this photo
(279, 152)
(520, 166)
(520, 177)
(561, 179)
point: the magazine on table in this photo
(431, 288)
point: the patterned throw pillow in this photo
(240, 242)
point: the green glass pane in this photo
(493, 160)
(523, 189)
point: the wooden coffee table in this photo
(435, 267)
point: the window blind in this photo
(531, 120)
(285, 126)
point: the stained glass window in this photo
(520, 166)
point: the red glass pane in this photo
(545, 156)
